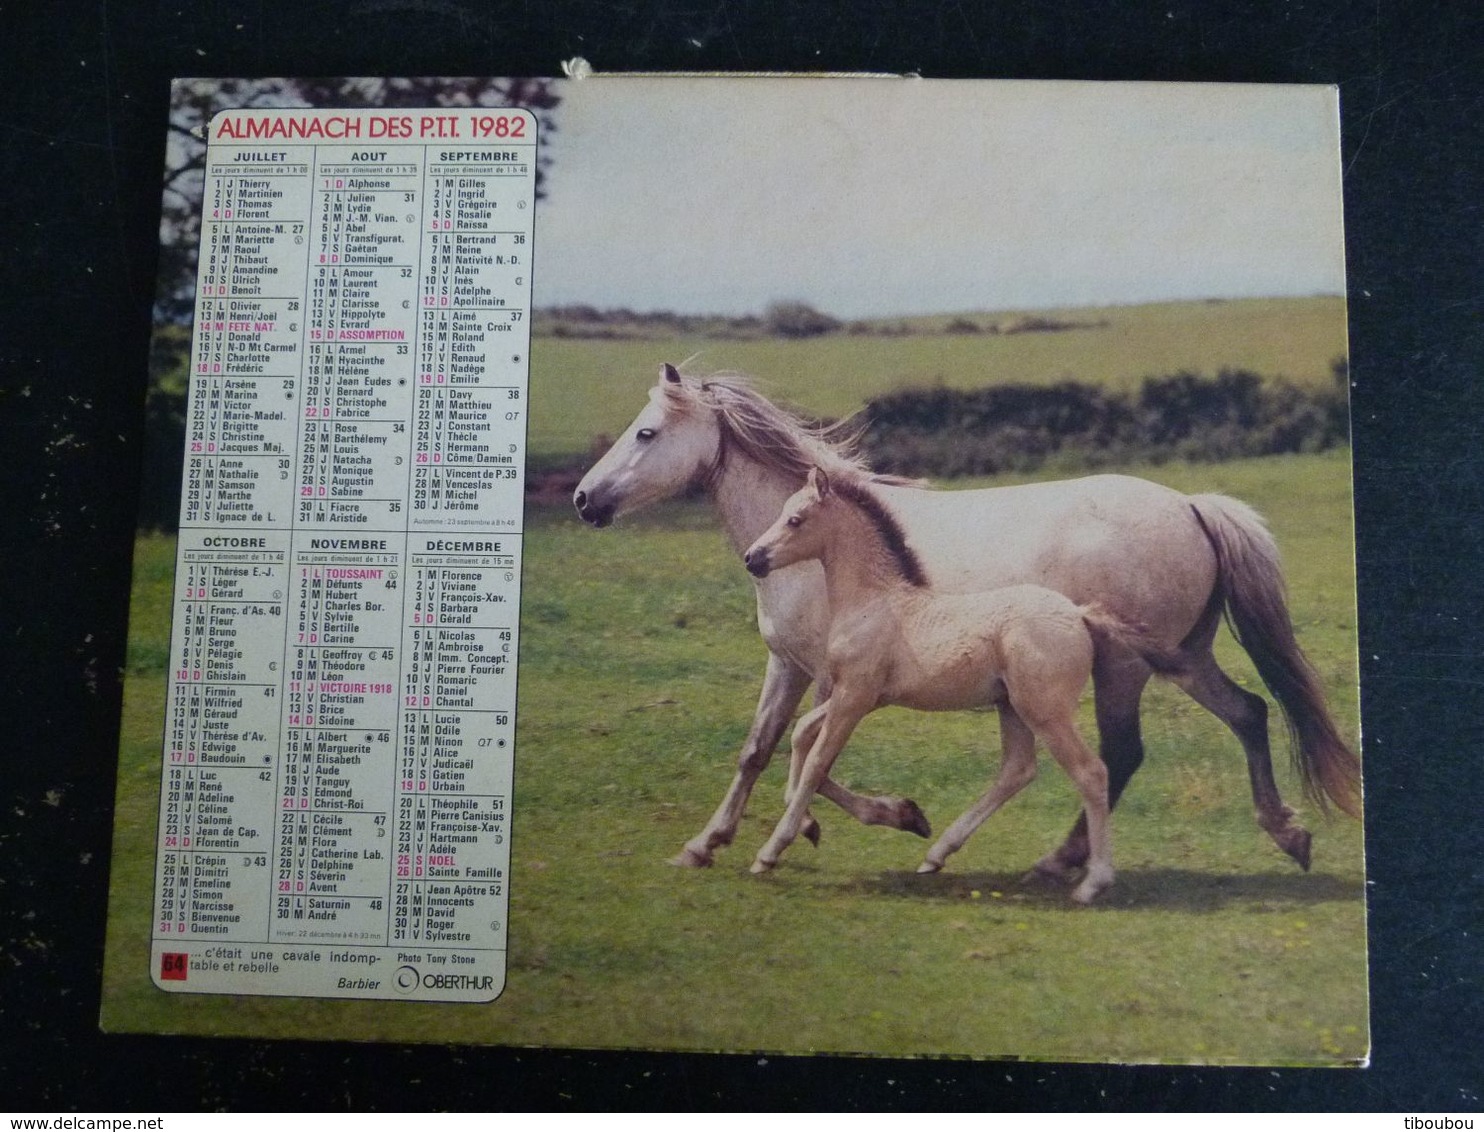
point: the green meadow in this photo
(640, 664)
(582, 388)
(640, 667)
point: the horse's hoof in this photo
(1298, 843)
(689, 858)
(811, 832)
(914, 820)
(929, 867)
(761, 866)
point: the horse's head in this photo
(674, 441)
(800, 531)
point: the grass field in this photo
(583, 388)
(640, 665)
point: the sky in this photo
(882, 197)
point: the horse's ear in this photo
(819, 481)
(670, 373)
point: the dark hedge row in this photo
(945, 432)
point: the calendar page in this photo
(600, 550)
(335, 804)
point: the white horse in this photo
(892, 639)
(1148, 555)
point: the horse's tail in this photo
(1134, 637)
(1249, 583)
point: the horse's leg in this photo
(810, 721)
(838, 721)
(1017, 770)
(804, 734)
(896, 813)
(1247, 715)
(891, 811)
(1118, 679)
(1090, 775)
(784, 684)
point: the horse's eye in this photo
(645, 434)
(795, 521)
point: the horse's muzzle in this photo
(757, 563)
(589, 512)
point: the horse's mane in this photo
(857, 490)
(774, 436)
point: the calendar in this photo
(340, 717)
(456, 711)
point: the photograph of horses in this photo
(861, 409)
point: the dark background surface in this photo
(83, 96)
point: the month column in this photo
(464, 544)
(222, 714)
(341, 658)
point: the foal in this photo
(1024, 650)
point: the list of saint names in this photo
(340, 721)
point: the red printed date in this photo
(499, 126)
